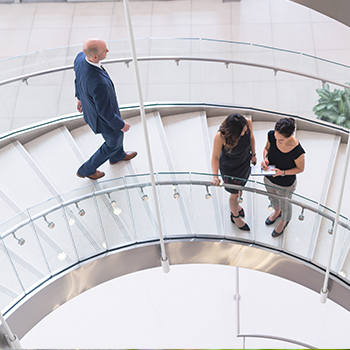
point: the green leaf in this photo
(326, 95)
(330, 114)
(341, 120)
(320, 106)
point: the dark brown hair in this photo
(285, 127)
(231, 130)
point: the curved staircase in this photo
(41, 165)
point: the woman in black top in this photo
(234, 149)
(283, 151)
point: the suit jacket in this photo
(95, 89)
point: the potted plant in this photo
(334, 107)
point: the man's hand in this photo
(79, 107)
(126, 127)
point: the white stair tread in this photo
(319, 159)
(187, 138)
(6, 211)
(57, 159)
(325, 239)
(22, 182)
(319, 150)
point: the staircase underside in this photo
(189, 250)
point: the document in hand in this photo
(256, 170)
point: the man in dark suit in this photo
(97, 100)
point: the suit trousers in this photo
(283, 191)
(111, 149)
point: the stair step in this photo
(188, 141)
(321, 150)
(22, 182)
(342, 241)
(187, 138)
(58, 158)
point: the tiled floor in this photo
(31, 27)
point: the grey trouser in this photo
(281, 203)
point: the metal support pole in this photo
(11, 338)
(324, 291)
(163, 259)
(237, 298)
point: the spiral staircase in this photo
(60, 234)
(43, 257)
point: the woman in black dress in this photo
(283, 151)
(234, 149)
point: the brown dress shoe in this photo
(129, 156)
(97, 175)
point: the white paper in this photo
(256, 170)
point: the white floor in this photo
(282, 24)
(191, 307)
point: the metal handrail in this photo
(177, 59)
(304, 345)
(25, 222)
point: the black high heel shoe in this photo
(270, 222)
(241, 213)
(245, 227)
(276, 234)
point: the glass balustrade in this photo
(51, 95)
(47, 239)
(54, 234)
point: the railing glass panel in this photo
(59, 246)
(142, 206)
(10, 283)
(174, 46)
(124, 81)
(206, 214)
(26, 253)
(341, 263)
(8, 106)
(115, 213)
(175, 204)
(226, 50)
(85, 222)
(324, 242)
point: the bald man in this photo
(97, 100)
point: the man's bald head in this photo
(95, 49)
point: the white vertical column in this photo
(164, 259)
(324, 291)
(11, 338)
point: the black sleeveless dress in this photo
(236, 163)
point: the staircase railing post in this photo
(164, 259)
(324, 291)
(11, 338)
